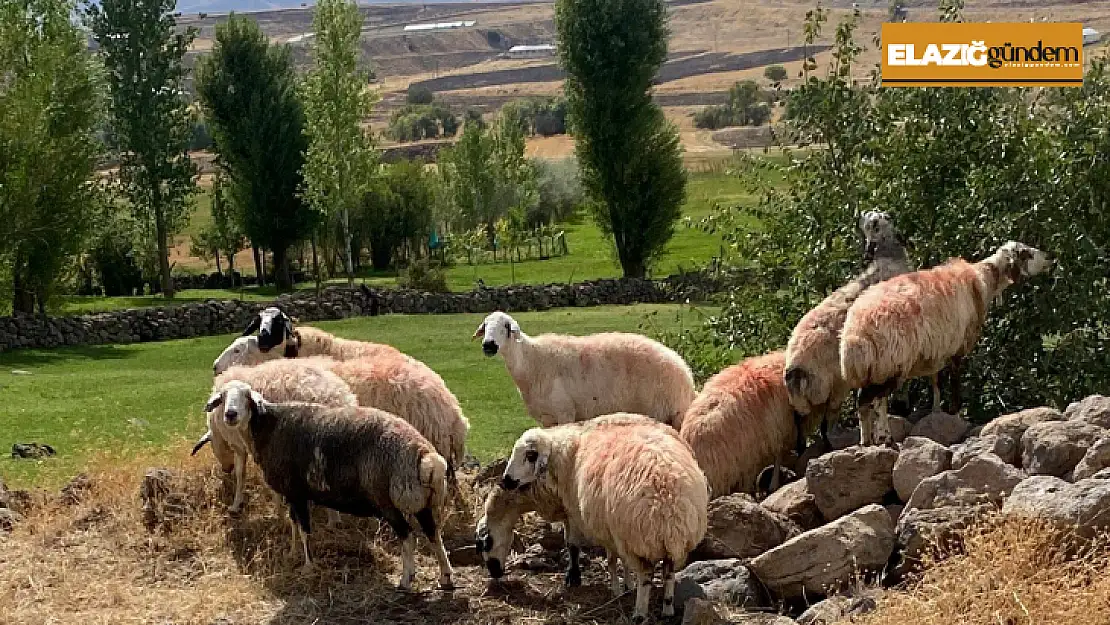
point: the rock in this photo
(741, 528)
(760, 618)
(8, 519)
(900, 428)
(828, 557)
(920, 458)
(1096, 459)
(941, 427)
(1015, 424)
(32, 451)
(1002, 445)
(727, 582)
(1094, 410)
(846, 480)
(895, 511)
(1055, 447)
(699, 612)
(984, 479)
(492, 472)
(1101, 475)
(975, 431)
(76, 490)
(841, 437)
(840, 607)
(795, 502)
(1083, 506)
(920, 530)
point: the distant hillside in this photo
(244, 6)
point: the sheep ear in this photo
(204, 440)
(214, 401)
(253, 326)
(514, 331)
(259, 402)
(480, 331)
(541, 465)
(293, 345)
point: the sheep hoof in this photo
(445, 583)
(668, 610)
(235, 509)
(574, 578)
(405, 584)
(638, 618)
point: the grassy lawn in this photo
(591, 254)
(124, 401)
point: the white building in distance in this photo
(532, 52)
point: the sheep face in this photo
(273, 327)
(239, 402)
(528, 462)
(242, 351)
(1019, 261)
(877, 228)
(497, 330)
(493, 539)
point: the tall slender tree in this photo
(341, 156)
(630, 154)
(51, 104)
(143, 51)
(248, 90)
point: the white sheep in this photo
(361, 461)
(279, 380)
(740, 423)
(813, 379)
(301, 341)
(563, 379)
(914, 324)
(634, 489)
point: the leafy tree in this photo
(559, 192)
(143, 50)
(775, 73)
(630, 155)
(748, 105)
(414, 122)
(396, 210)
(51, 105)
(341, 157)
(247, 87)
(419, 94)
(223, 233)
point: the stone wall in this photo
(221, 317)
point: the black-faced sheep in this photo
(812, 374)
(360, 461)
(915, 324)
(273, 327)
(634, 489)
(302, 341)
(564, 379)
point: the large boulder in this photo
(700, 612)
(849, 479)
(795, 502)
(1083, 506)
(1015, 424)
(941, 427)
(1094, 410)
(900, 428)
(741, 528)
(1004, 446)
(1054, 448)
(920, 458)
(1096, 459)
(920, 530)
(829, 557)
(985, 479)
(726, 582)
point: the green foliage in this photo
(51, 105)
(540, 116)
(202, 137)
(775, 73)
(247, 87)
(143, 49)
(414, 122)
(114, 260)
(419, 94)
(748, 105)
(424, 275)
(474, 117)
(341, 158)
(222, 234)
(629, 153)
(962, 171)
(559, 192)
(395, 211)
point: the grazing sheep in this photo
(280, 380)
(914, 324)
(741, 422)
(812, 375)
(563, 379)
(634, 489)
(302, 341)
(361, 461)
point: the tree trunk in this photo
(219, 269)
(633, 268)
(163, 255)
(282, 278)
(380, 255)
(262, 264)
(258, 266)
(315, 264)
(347, 265)
(23, 298)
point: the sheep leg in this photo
(629, 579)
(615, 581)
(800, 436)
(574, 571)
(935, 381)
(776, 474)
(865, 433)
(883, 434)
(643, 590)
(954, 382)
(825, 430)
(302, 520)
(240, 483)
(874, 422)
(435, 537)
(668, 588)
(403, 530)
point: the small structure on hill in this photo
(532, 52)
(439, 26)
(1090, 36)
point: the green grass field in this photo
(591, 254)
(126, 401)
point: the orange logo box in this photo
(982, 55)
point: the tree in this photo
(143, 50)
(396, 210)
(419, 94)
(341, 156)
(51, 103)
(630, 155)
(775, 73)
(223, 233)
(247, 87)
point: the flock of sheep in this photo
(629, 453)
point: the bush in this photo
(748, 105)
(414, 122)
(424, 275)
(419, 94)
(113, 259)
(540, 116)
(775, 73)
(560, 192)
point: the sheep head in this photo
(529, 459)
(239, 402)
(243, 351)
(497, 330)
(274, 327)
(1016, 261)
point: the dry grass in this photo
(1008, 572)
(94, 561)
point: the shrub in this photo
(775, 73)
(560, 192)
(419, 94)
(424, 275)
(748, 105)
(414, 122)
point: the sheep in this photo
(361, 461)
(634, 489)
(741, 422)
(812, 374)
(914, 324)
(563, 379)
(302, 341)
(278, 380)
(273, 327)
(384, 378)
